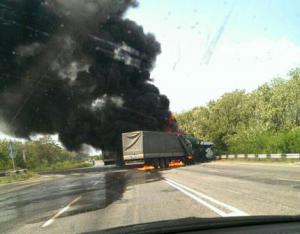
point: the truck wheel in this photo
(166, 163)
(162, 163)
(155, 163)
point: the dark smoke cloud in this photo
(79, 69)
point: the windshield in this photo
(120, 112)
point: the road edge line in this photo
(234, 211)
(51, 220)
(211, 207)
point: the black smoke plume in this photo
(77, 68)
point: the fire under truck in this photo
(160, 149)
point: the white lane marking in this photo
(198, 195)
(292, 180)
(97, 182)
(50, 221)
(215, 209)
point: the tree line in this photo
(41, 154)
(266, 120)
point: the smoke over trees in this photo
(79, 69)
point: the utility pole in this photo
(24, 156)
(12, 155)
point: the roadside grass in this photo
(62, 166)
(10, 178)
(17, 177)
(71, 165)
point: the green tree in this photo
(266, 120)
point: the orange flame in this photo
(146, 168)
(172, 164)
(176, 163)
(172, 124)
(172, 117)
(190, 157)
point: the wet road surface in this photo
(91, 200)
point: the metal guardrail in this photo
(259, 156)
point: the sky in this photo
(213, 47)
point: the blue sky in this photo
(200, 61)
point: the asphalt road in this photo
(99, 199)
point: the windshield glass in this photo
(120, 112)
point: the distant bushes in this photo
(39, 155)
(265, 120)
(265, 142)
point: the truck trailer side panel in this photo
(132, 145)
(143, 145)
(161, 144)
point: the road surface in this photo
(92, 200)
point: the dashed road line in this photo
(206, 200)
(50, 221)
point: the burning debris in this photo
(77, 68)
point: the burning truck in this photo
(158, 149)
(161, 149)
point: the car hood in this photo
(196, 224)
